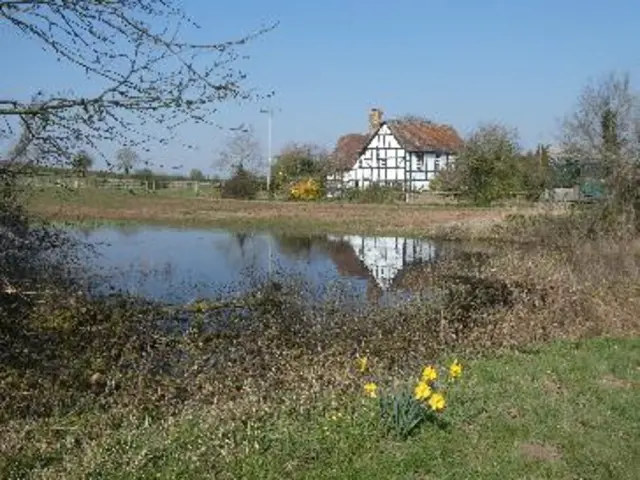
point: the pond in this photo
(180, 266)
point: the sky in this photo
(522, 63)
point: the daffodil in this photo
(422, 391)
(437, 402)
(429, 374)
(362, 364)
(371, 389)
(455, 369)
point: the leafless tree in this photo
(144, 72)
(126, 160)
(144, 75)
(242, 150)
(603, 135)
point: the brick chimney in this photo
(375, 119)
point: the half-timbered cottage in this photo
(407, 153)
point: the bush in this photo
(34, 256)
(446, 180)
(308, 189)
(242, 185)
(375, 193)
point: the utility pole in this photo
(269, 112)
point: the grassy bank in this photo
(567, 410)
(101, 206)
(262, 386)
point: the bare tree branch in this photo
(603, 136)
(241, 151)
(148, 74)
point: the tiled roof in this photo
(346, 260)
(347, 150)
(425, 136)
(413, 136)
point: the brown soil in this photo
(538, 451)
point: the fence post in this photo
(196, 187)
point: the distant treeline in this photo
(140, 174)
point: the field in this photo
(567, 410)
(185, 209)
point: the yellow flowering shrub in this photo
(402, 412)
(308, 189)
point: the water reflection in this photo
(180, 265)
(382, 258)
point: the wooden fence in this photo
(135, 184)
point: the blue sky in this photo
(519, 62)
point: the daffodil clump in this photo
(404, 411)
(308, 189)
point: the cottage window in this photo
(436, 163)
(382, 160)
(420, 161)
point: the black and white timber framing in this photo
(384, 161)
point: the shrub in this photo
(376, 193)
(308, 189)
(242, 185)
(446, 180)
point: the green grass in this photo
(565, 410)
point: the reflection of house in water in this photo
(380, 258)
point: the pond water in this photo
(179, 266)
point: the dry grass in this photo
(73, 368)
(480, 301)
(336, 217)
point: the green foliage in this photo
(297, 162)
(491, 167)
(488, 163)
(144, 175)
(242, 185)
(447, 180)
(196, 175)
(610, 135)
(535, 172)
(401, 414)
(81, 163)
(375, 193)
(565, 173)
(403, 411)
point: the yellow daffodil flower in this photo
(362, 364)
(422, 391)
(455, 370)
(371, 389)
(437, 402)
(429, 374)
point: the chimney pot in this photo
(375, 118)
